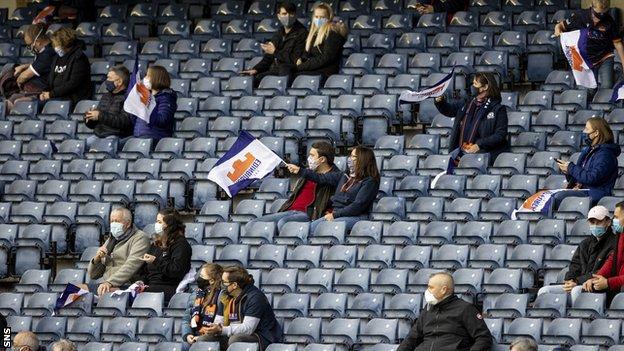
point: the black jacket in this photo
(113, 120)
(321, 197)
(169, 267)
(288, 48)
(450, 325)
(491, 134)
(70, 77)
(590, 255)
(324, 58)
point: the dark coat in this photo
(597, 170)
(324, 58)
(162, 122)
(357, 201)
(288, 49)
(113, 120)
(491, 135)
(169, 267)
(322, 196)
(450, 325)
(590, 255)
(70, 77)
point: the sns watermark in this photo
(6, 338)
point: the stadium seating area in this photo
(332, 289)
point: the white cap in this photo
(598, 212)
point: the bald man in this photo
(448, 323)
(26, 341)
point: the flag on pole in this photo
(574, 46)
(139, 100)
(436, 90)
(540, 202)
(71, 294)
(618, 92)
(247, 161)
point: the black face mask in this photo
(203, 283)
(599, 15)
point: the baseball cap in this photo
(598, 212)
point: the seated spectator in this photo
(448, 322)
(119, 260)
(203, 304)
(323, 46)
(355, 193)
(26, 341)
(610, 277)
(308, 200)
(109, 118)
(523, 344)
(244, 314)
(589, 256)
(63, 345)
(604, 35)
(168, 259)
(32, 78)
(162, 123)
(284, 49)
(480, 124)
(597, 169)
(449, 7)
(70, 76)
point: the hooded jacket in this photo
(162, 122)
(451, 324)
(597, 170)
(70, 77)
(590, 255)
(321, 197)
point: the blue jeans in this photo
(280, 218)
(605, 74)
(558, 197)
(349, 220)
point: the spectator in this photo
(589, 256)
(63, 345)
(323, 46)
(523, 344)
(596, 171)
(244, 315)
(109, 118)
(161, 124)
(26, 341)
(203, 305)
(120, 258)
(354, 194)
(480, 125)
(448, 322)
(169, 258)
(70, 78)
(309, 200)
(284, 49)
(449, 7)
(610, 277)
(603, 37)
(32, 78)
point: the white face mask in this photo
(158, 228)
(116, 229)
(313, 163)
(147, 83)
(430, 299)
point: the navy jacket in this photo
(491, 136)
(357, 201)
(596, 170)
(162, 122)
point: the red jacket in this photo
(615, 281)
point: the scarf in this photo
(232, 309)
(203, 312)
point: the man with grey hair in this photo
(523, 344)
(109, 118)
(448, 322)
(120, 258)
(26, 341)
(63, 345)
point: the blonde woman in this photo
(323, 47)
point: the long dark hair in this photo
(487, 78)
(175, 227)
(213, 271)
(366, 164)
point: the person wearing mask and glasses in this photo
(203, 304)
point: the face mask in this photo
(319, 22)
(286, 21)
(116, 230)
(147, 83)
(202, 283)
(158, 228)
(60, 52)
(110, 86)
(597, 230)
(351, 167)
(474, 91)
(313, 163)
(617, 226)
(586, 139)
(430, 299)
(599, 15)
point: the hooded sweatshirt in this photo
(162, 123)
(597, 170)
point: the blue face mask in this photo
(617, 226)
(597, 230)
(110, 86)
(585, 139)
(319, 22)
